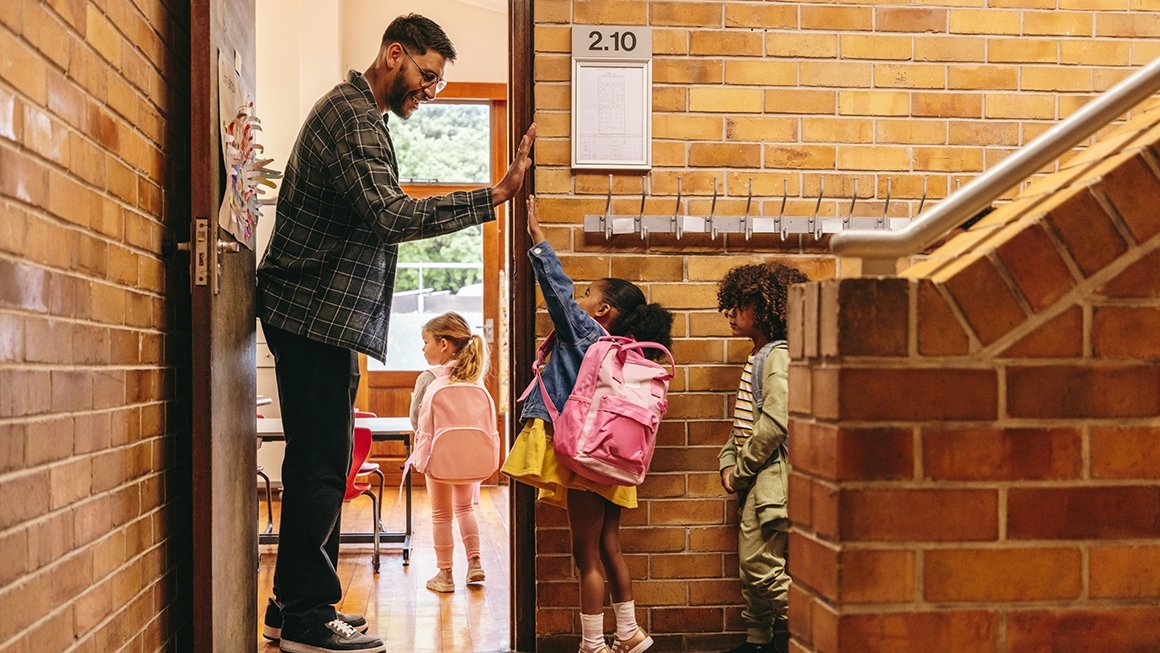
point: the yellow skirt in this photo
(532, 460)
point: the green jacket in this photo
(759, 466)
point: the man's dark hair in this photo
(419, 34)
(765, 287)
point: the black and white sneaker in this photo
(272, 623)
(331, 636)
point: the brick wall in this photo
(976, 452)
(890, 94)
(94, 505)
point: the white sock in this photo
(625, 619)
(591, 632)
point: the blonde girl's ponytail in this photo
(470, 361)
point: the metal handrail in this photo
(880, 250)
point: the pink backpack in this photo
(607, 429)
(456, 440)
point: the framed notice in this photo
(611, 97)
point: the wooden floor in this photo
(396, 602)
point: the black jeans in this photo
(317, 384)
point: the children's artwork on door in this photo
(247, 174)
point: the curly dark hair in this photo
(765, 287)
(637, 318)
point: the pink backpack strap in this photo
(541, 356)
(624, 348)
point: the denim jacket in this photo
(575, 332)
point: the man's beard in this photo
(398, 96)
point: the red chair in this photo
(373, 468)
(354, 488)
(269, 494)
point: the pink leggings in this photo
(445, 499)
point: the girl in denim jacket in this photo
(620, 308)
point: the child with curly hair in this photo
(753, 460)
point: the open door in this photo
(223, 386)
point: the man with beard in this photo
(324, 293)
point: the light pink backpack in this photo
(456, 440)
(607, 429)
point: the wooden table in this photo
(383, 429)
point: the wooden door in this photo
(222, 334)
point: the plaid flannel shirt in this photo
(328, 273)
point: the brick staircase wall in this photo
(977, 443)
(94, 489)
(885, 93)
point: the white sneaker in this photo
(442, 582)
(475, 572)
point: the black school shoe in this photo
(331, 636)
(272, 624)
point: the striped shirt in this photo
(743, 409)
(329, 271)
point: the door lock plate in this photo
(201, 252)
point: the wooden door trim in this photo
(522, 312)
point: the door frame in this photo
(522, 312)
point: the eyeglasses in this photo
(430, 78)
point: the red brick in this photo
(1087, 232)
(687, 565)
(1124, 187)
(1012, 454)
(705, 511)
(972, 631)
(1059, 337)
(683, 620)
(1124, 628)
(1140, 279)
(873, 317)
(1126, 332)
(921, 515)
(985, 300)
(1125, 572)
(825, 507)
(800, 499)
(800, 392)
(853, 453)
(916, 394)
(939, 332)
(994, 576)
(868, 576)
(1080, 513)
(815, 564)
(1128, 452)
(1035, 266)
(1062, 391)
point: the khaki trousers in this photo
(764, 581)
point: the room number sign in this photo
(611, 97)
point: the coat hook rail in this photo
(680, 222)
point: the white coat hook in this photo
(815, 225)
(853, 201)
(712, 213)
(922, 201)
(779, 224)
(747, 223)
(678, 220)
(640, 228)
(882, 218)
(606, 219)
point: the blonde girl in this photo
(454, 352)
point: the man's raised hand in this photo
(513, 179)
